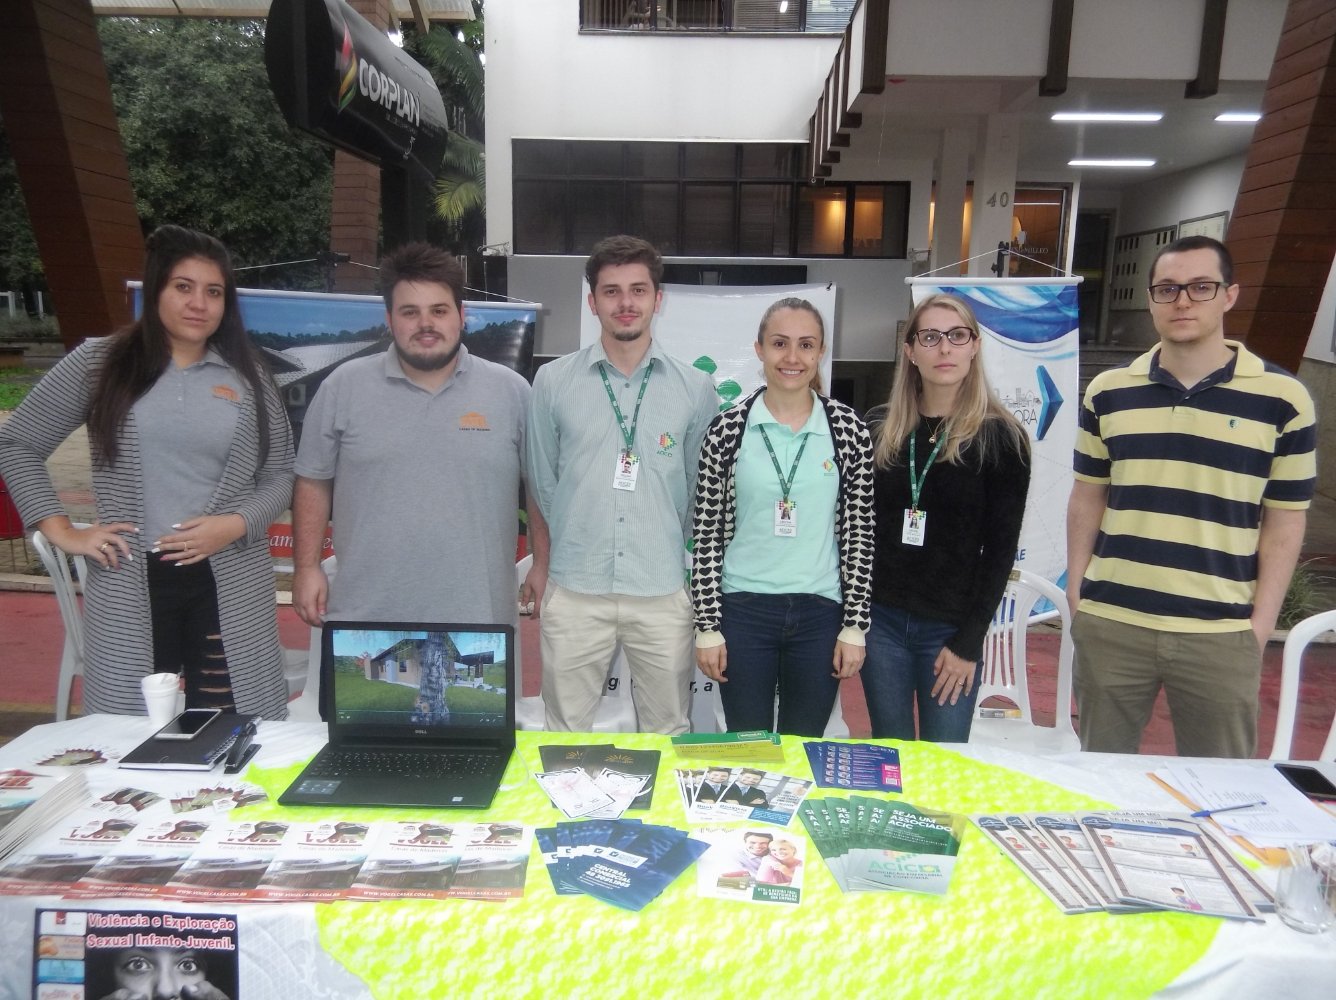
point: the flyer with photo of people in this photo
(758, 866)
(96, 954)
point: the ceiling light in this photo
(1110, 163)
(1107, 116)
(1239, 116)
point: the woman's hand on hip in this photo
(197, 538)
(848, 659)
(713, 661)
(103, 543)
(954, 677)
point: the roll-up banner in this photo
(306, 335)
(714, 328)
(338, 77)
(1029, 327)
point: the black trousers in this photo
(187, 638)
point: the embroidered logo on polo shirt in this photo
(473, 421)
(666, 444)
(226, 392)
(828, 466)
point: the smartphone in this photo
(1308, 780)
(188, 724)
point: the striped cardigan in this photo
(118, 629)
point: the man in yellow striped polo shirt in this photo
(1194, 468)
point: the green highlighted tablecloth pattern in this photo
(993, 935)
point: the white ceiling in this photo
(916, 110)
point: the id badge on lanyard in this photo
(626, 471)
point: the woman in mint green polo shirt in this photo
(783, 538)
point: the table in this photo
(992, 935)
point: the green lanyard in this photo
(785, 484)
(915, 480)
(629, 436)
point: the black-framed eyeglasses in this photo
(1198, 291)
(958, 336)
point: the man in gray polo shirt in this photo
(417, 452)
(613, 444)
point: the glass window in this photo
(596, 212)
(602, 159)
(768, 159)
(764, 223)
(651, 214)
(711, 159)
(652, 159)
(821, 212)
(869, 224)
(708, 220)
(766, 15)
(540, 217)
(539, 156)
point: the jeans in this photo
(784, 641)
(187, 638)
(901, 650)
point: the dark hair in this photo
(421, 262)
(1188, 243)
(141, 352)
(616, 250)
(758, 833)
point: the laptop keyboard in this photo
(400, 763)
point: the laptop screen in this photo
(407, 680)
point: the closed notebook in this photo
(199, 754)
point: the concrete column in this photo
(994, 190)
(948, 225)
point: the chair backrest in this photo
(1004, 651)
(1291, 669)
(57, 565)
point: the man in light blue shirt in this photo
(613, 443)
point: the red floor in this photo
(33, 636)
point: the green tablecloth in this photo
(994, 934)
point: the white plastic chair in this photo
(57, 565)
(1291, 667)
(616, 710)
(1004, 670)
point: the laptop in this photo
(418, 715)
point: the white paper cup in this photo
(161, 692)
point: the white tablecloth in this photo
(280, 950)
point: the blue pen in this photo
(1203, 813)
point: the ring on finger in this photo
(103, 547)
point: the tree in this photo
(208, 148)
(20, 265)
(453, 56)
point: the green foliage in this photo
(207, 146)
(375, 695)
(1303, 597)
(19, 262)
(461, 185)
(473, 701)
(15, 384)
(23, 327)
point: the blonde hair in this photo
(977, 407)
(797, 305)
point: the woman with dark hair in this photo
(952, 471)
(192, 461)
(783, 536)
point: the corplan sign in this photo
(338, 77)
